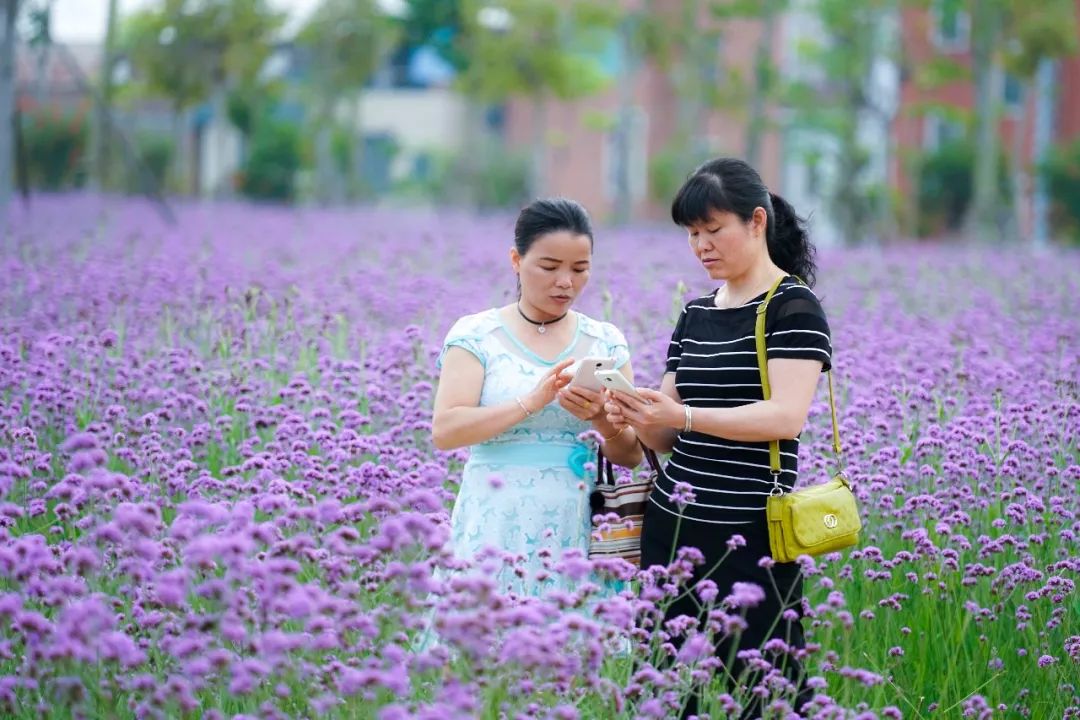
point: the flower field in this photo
(219, 497)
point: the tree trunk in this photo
(1020, 178)
(1041, 138)
(849, 186)
(8, 11)
(357, 184)
(981, 221)
(102, 130)
(538, 182)
(324, 165)
(689, 109)
(755, 124)
(473, 157)
(623, 205)
(707, 62)
(180, 152)
(327, 177)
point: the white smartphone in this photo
(615, 380)
(585, 370)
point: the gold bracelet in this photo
(607, 439)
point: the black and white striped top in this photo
(713, 356)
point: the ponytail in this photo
(789, 242)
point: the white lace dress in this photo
(527, 490)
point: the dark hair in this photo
(550, 215)
(731, 185)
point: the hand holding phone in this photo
(615, 380)
(585, 372)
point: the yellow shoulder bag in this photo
(813, 520)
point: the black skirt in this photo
(782, 584)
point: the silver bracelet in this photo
(689, 423)
(528, 413)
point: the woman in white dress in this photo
(503, 391)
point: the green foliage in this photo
(939, 71)
(599, 121)
(547, 49)
(155, 152)
(246, 103)
(667, 171)
(1047, 29)
(844, 54)
(55, 148)
(949, 113)
(342, 144)
(270, 170)
(945, 180)
(1061, 171)
(347, 40)
(180, 48)
(946, 186)
(500, 180)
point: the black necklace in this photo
(539, 325)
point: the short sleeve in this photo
(463, 334)
(798, 329)
(674, 352)
(617, 347)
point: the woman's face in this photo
(725, 244)
(553, 271)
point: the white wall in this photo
(433, 118)
(421, 120)
(219, 157)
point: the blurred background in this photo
(886, 119)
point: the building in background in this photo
(409, 118)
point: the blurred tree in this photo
(1012, 35)
(8, 11)
(696, 72)
(987, 21)
(1061, 172)
(535, 49)
(347, 40)
(643, 35)
(101, 131)
(764, 86)
(855, 35)
(186, 50)
(269, 172)
(1033, 36)
(764, 78)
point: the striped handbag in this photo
(619, 538)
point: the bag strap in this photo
(763, 370)
(654, 462)
(605, 468)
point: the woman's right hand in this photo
(547, 389)
(614, 412)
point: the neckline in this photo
(532, 354)
(756, 300)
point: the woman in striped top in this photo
(710, 413)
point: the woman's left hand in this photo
(659, 412)
(582, 403)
